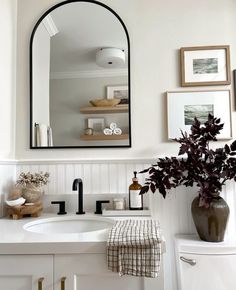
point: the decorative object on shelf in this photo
(107, 131)
(104, 102)
(123, 102)
(118, 92)
(97, 124)
(88, 131)
(208, 168)
(113, 125)
(184, 106)
(32, 185)
(205, 65)
(117, 131)
(112, 130)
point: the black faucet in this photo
(62, 206)
(76, 182)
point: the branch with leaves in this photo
(209, 169)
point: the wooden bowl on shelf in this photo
(105, 102)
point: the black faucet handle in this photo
(99, 205)
(62, 206)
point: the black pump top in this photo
(135, 179)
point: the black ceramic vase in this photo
(211, 222)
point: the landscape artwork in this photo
(121, 94)
(205, 65)
(199, 111)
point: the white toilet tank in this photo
(205, 266)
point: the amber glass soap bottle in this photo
(135, 199)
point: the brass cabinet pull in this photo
(40, 283)
(63, 283)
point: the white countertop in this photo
(14, 239)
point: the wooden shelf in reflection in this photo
(101, 137)
(105, 110)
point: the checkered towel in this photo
(134, 248)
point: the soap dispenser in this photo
(135, 198)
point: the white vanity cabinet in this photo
(89, 272)
(26, 272)
(66, 272)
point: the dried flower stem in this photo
(36, 179)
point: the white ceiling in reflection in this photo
(83, 28)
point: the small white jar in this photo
(118, 203)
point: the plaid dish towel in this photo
(134, 248)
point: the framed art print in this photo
(184, 106)
(97, 124)
(118, 92)
(205, 65)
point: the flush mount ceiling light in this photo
(110, 57)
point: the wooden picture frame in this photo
(183, 106)
(234, 80)
(205, 65)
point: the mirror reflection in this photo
(80, 78)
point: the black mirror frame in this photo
(31, 76)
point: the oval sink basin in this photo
(68, 225)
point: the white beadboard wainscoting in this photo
(110, 177)
(105, 176)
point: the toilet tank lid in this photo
(191, 244)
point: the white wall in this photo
(68, 96)
(8, 13)
(41, 71)
(7, 77)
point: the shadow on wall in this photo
(6, 189)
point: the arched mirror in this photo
(79, 78)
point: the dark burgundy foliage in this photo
(207, 168)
